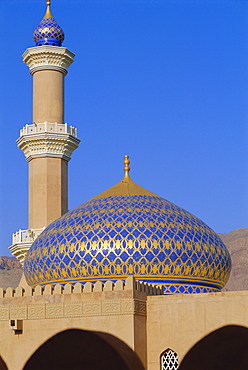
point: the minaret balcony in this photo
(22, 241)
(59, 128)
(48, 139)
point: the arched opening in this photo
(223, 349)
(169, 360)
(80, 349)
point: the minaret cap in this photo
(48, 32)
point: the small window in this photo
(169, 360)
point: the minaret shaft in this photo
(48, 96)
(48, 141)
(48, 190)
(48, 176)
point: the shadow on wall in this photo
(223, 349)
(76, 349)
(2, 364)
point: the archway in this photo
(225, 348)
(80, 349)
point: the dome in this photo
(48, 32)
(128, 230)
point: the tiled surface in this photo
(145, 236)
(48, 32)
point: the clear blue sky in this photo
(165, 81)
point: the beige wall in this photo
(140, 337)
(48, 190)
(154, 323)
(48, 96)
(117, 313)
(16, 349)
(179, 321)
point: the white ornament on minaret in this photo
(48, 57)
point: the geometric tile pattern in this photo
(169, 360)
(114, 237)
(48, 32)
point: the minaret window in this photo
(169, 360)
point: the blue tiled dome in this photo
(48, 32)
(127, 230)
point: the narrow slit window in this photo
(169, 360)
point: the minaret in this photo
(48, 142)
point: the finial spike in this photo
(126, 166)
(48, 11)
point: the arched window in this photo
(169, 360)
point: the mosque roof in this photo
(48, 32)
(128, 230)
(126, 187)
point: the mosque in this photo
(127, 264)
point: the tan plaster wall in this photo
(15, 349)
(48, 96)
(48, 190)
(140, 338)
(176, 322)
(179, 321)
(37, 332)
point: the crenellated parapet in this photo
(126, 298)
(130, 284)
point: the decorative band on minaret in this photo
(48, 142)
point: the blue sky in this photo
(164, 81)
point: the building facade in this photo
(127, 262)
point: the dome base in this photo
(170, 285)
(48, 41)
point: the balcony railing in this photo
(26, 236)
(58, 128)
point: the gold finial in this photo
(126, 166)
(48, 11)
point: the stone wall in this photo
(118, 309)
(136, 313)
(179, 321)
